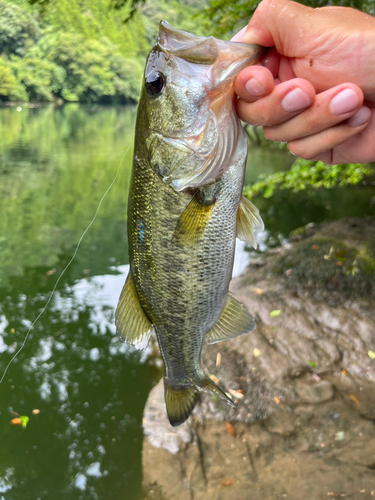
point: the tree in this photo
(19, 29)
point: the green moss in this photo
(328, 268)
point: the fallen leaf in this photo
(315, 247)
(218, 359)
(277, 400)
(257, 352)
(338, 263)
(230, 429)
(371, 354)
(214, 379)
(12, 330)
(354, 399)
(275, 313)
(236, 394)
(228, 482)
(51, 271)
(288, 271)
(24, 421)
(257, 291)
(340, 436)
(343, 372)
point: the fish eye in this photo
(154, 83)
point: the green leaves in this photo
(308, 174)
(19, 29)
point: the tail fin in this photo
(181, 400)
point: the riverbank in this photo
(304, 381)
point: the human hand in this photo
(315, 88)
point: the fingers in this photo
(254, 82)
(330, 108)
(283, 102)
(319, 146)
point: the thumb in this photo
(278, 23)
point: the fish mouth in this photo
(226, 59)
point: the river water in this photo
(83, 390)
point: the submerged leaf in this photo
(24, 421)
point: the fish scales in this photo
(183, 210)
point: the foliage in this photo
(93, 70)
(37, 78)
(305, 174)
(19, 29)
(80, 50)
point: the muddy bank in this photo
(304, 381)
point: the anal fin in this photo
(133, 326)
(233, 321)
(193, 221)
(248, 221)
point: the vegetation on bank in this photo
(308, 174)
(80, 50)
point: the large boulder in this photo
(304, 381)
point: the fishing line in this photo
(63, 271)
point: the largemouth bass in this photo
(185, 210)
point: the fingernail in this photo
(362, 116)
(295, 100)
(254, 87)
(344, 102)
(237, 37)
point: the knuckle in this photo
(297, 149)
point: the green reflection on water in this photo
(55, 165)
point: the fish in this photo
(185, 209)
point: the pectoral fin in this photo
(233, 321)
(248, 221)
(133, 326)
(192, 222)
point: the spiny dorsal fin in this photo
(180, 402)
(234, 320)
(248, 221)
(192, 222)
(133, 327)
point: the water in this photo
(90, 390)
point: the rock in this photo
(304, 426)
(315, 393)
(157, 427)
